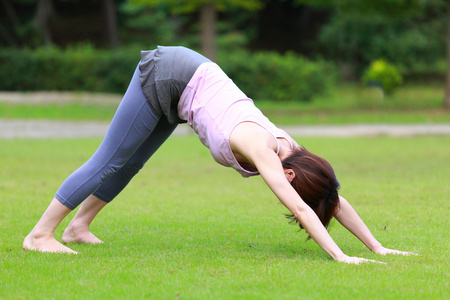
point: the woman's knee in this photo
(130, 169)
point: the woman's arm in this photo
(348, 217)
(252, 143)
(271, 170)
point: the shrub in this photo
(383, 73)
(358, 38)
(272, 76)
(260, 75)
(79, 69)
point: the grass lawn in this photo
(187, 228)
(352, 104)
(346, 104)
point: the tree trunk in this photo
(9, 9)
(8, 37)
(109, 8)
(208, 30)
(447, 90)
(43, 13)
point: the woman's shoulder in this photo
(249, 136)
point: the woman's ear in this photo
(290, 174)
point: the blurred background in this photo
(276, 50)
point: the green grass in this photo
(187, 228)
(69, 111)
(346, 104)
(352, 104)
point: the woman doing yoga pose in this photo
(173, 85)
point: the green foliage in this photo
(150, 26)
(188, 6)
(358, 33)
(272, 76)
(397, 8)
(363, 39)
(384, 73)
(81, 69)
(410, 34)
(260, 75)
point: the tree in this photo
(395, 11)
(44, 12)
(109, 11)
(15, 24)
(17, 30)
(208, 15)
(38, 22)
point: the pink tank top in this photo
(213, 105)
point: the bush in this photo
(261, 75)
(78, 69)
(359, 38)
(272, 76)
(383, 73)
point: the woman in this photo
(174, 85)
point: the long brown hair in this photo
(315, 182)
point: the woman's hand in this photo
(357, 260)
(383, 251)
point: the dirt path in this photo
(41, 129)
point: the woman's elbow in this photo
(301, 212)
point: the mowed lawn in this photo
(187, 228)
(346, 104)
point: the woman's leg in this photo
(132, 124)
(115, 184)
(78, 229)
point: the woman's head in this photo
(315, 182)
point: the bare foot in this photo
(75, 234)
(45, 244)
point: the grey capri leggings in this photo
(135, 133)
